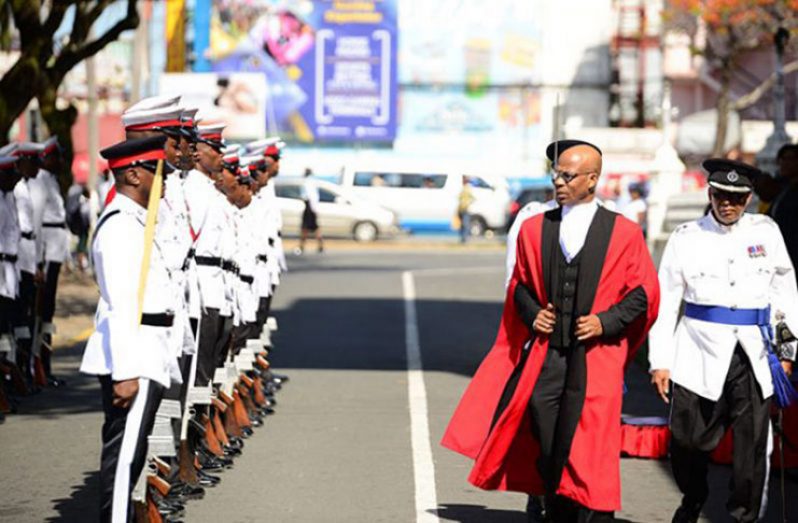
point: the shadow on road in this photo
(81, 505)
(81, 394)
(480, 514)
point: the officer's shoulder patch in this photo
(762, 219)
(686, 228)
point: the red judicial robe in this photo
(491, 424)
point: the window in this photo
(403, 180)
(289, 191)
(368, 179)
(326, 196)
(479, 183)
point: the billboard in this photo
(237, 99)
(330, 67)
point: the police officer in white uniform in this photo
(9, 245)
(733, 273)
(208, 223)
(53, 238)
(29, 253)
(132, 359)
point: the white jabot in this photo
(576, 220)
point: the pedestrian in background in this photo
(78, 220)
(310, 217)
(464, 201)
(635, 210)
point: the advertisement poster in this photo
(236, 99)
(330, 67)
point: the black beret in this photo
(730, 175)
(563, 145)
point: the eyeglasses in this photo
(733, 198)
(566, 176)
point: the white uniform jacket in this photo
(9, 245)
(175, 236)
(742, 266)
(119, 346)
(27, 241)
(207, 221)
(247, 224)
(50, 215)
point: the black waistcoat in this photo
(566, 280)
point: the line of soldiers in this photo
(182, 328)
(34, 243)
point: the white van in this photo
(424, 198)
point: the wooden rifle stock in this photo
(218, 428)
(159, 484)
(239, 410)
(186, 470)
(164, 469)
(211, 441)
(261, 362)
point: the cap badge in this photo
(732, 176)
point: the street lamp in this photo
(766, 159)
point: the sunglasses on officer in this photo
(734, 198)
(566, 176)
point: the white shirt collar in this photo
(576, 220)
(126, 204)
(720, 227)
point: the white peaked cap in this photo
(153, 102)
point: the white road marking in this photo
(423, 466)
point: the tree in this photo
(43, 63)
(722, 31)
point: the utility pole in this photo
(94, 138)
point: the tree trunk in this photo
(59, 122)
(723, 106)
(17, 92)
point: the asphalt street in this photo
(341, 446)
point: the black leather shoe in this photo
(208, 478)
(183, 492)
(282, 378)
(247, 432)
(55, 382)
(231, 452)
(211, 463)
(236, 442)
(256, 420)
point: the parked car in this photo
(530, 194)
(424, 197)
(340, 213)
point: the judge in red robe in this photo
(542, 413)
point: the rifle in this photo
(39, 374)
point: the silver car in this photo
(340, 213)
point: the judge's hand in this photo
(38, 278)
(125, 392)
(787, 366)
(544, 321)
(661, 379)
(588, 327)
